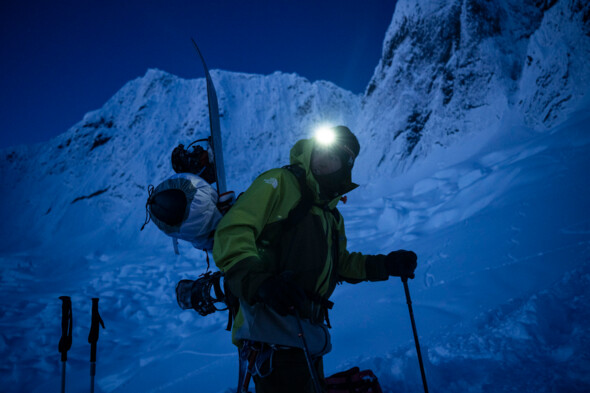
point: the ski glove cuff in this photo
(282, 294)
(375, 268)
(401, 263)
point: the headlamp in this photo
(325, 136)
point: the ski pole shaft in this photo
(63, 377)
(409, 301)
(312, 369)
(95, 323)
(65, 342)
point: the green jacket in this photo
(251, 243)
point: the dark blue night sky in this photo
(62, 59)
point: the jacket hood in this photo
(301, 156)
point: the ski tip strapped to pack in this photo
(185, 206)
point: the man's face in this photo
(325, 161)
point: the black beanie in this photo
(346, 138)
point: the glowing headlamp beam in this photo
(325, 136)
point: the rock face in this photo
(456, 67)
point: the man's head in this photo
(332, 158)
(334, 148)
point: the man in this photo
(282, 247)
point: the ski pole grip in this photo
(94, 329)
(65, 342)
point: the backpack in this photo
(353, 381)
(186, 207)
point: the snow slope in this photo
(500, 295)
(504, 240)
(496, 210)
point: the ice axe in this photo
(409, 301)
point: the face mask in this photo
(331, 185)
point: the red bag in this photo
(353, 381)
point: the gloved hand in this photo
(401, 263)
(281, 294)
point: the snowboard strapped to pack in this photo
(185, 206)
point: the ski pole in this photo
(312, 369)
(409, 301)
(93, 339)
(65, 342)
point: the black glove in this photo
(401, 263)
(281, 294)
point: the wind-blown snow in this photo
(498, 213)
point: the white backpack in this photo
(185, 207)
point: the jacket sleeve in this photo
(235, 249)
(356, 267)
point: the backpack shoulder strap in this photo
(336, 213)
(306, 202)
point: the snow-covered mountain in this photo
(451, 68)
(107, 160)
(474, 133)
